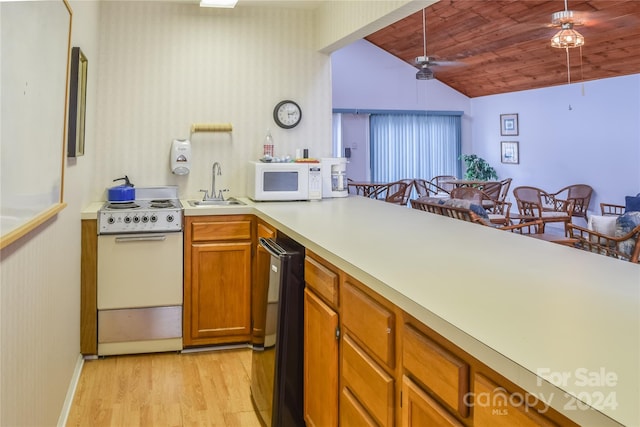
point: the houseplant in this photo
(477, 168)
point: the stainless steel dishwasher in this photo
(277, 365)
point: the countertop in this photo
(527, 308)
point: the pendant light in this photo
(567, 37)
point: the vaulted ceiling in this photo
(504, 46)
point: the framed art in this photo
(77, 103)
(509, 124)
(509, 152)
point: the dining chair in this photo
(469, 193)
(398, 192)
(439, 181)
(426, 188)
(579, 194)
(534, 203)
(608, 209)
(504, 189)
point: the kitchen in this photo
(130, 127)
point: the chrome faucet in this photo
(216, 170)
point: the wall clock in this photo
(287, 114)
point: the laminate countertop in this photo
(561, 323)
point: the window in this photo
(413, 145)
(391, 145)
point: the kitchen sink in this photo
(208, 203)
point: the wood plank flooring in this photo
(166, 389)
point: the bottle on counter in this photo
(268, 145)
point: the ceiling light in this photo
(218, 3)
(567, 37)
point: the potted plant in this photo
(477, 168)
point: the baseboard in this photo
(71, 391)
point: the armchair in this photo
(608, 209)
(579, 194)
(438, 181)
(625, 247)
(399, 192)
(426, 188)
(534, 203)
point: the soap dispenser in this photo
(181, 156)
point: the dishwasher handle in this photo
(272, 247)
(141, 239)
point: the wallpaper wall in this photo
(163, 66)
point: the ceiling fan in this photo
(425, 62)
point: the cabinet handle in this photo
(141, 239)
(337, 333)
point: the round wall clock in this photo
(287, 114)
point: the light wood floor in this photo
(166, 389)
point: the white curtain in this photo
(414, 146)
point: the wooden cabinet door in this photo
(418, 409)
(320, 362)
(218, 297)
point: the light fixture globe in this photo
(424, 73)
(567, 37)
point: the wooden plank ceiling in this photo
(504, 46)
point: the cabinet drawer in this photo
(265, 231)
(202, 231)
(322, 280)
(368, 382)
(494, 407)
(352, 413)
(370, 322)
(419, 409)
(438, 369)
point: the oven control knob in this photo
(169, 218)
(145, 218)
(154, 218)
(136, 219)
(111, 220)
(127, 219)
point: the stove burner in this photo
(123, 205)
(164, 203)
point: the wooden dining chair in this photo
(439, 181)
(398, 192)
(608, 209)
(426, 188)
(579, 194)
(469, 193)
(505, 184)
(534, 203)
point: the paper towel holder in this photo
(211, 127)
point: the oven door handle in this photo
(141, 239)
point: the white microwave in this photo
(284, 181)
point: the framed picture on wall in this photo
(509, 124)
(509, 152)
(77, 103)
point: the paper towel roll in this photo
(211, 127)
